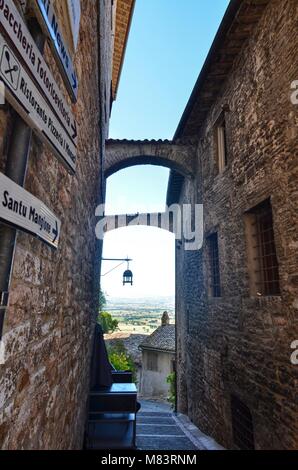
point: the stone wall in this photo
(239, 344)
(48, 326)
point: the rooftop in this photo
(124, 14)
(162, 339)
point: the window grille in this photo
(266, 272)
(242, 424)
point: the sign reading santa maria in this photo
(25, 97)
(50, 25)
(24, 211)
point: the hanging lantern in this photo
(127, 276)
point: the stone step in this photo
(164, 443)
(155, 420)
(154, 430)
(154, 413)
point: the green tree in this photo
(171, 380)
(102, 301)
(121, 360)
(107, 322)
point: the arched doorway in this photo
(139, 308)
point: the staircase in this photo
(160, 429)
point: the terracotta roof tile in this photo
(162, 339)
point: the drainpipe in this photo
(16, 166)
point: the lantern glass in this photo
(127, 277)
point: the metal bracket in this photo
(4, 297)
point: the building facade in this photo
(235, 152)
(237, 296)
(158, 361)
(48, 326)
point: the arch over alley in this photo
(177, 156)
(161, 220)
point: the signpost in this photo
(17, 31)
(74, 11)
(48, 20)
(24, 211)
(24, 96)
(41, 105)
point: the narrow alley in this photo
(148, 227)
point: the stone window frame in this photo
(263, 268)
(220, 139)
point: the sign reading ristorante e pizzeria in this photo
(17, 31)
(25, 97)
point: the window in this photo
(214, 273)
(242, 424)
(152, 361)
(262, 259)
(220, 135)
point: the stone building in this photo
(44, 374)
(237, 296)
(158, 360)
(235, 152)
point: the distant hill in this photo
(140, 315)
(156, 301)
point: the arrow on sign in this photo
(74, 129)
(55, 232)
(75, 82)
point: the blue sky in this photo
(168, 43)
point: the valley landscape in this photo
(140, 315)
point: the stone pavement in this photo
(158, 428)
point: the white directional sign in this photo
(74, 11)
(18, 33)
(48, 20)
(24, 96)
(25, 212)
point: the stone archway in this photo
(161, 220)
(121, 154)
